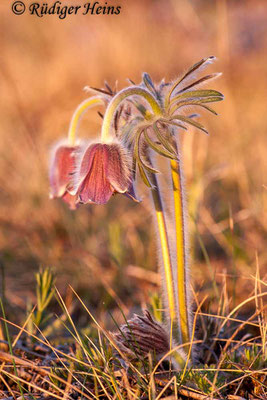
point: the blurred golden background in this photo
(107, 251)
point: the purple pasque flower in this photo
(63, 165)
(104, 170)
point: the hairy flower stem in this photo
(116, 101)
(179, 209)
(165, 249)
(85, 105)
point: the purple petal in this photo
(62, 168)
(117, 168)
(87, 160)
(95, 187)
(131, 193)
(71, 200)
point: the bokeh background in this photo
(107, 253)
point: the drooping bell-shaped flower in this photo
(104, 170)
(63, 165)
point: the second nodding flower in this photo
(63, 165)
